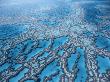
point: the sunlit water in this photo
(56, 10)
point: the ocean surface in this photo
(54, 41)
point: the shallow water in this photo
(19, 76)
(103, 63)
(38, 35)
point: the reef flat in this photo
(54, 41)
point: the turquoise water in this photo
(103, 63)
(59, 41)
(19, 76)
(95, 18)
(42, 44)
(50, 69)
(71, 61)
(103, 42)
(17, 66)
(82, 73)
(33, 53)
(30, 81)
(4, 66)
